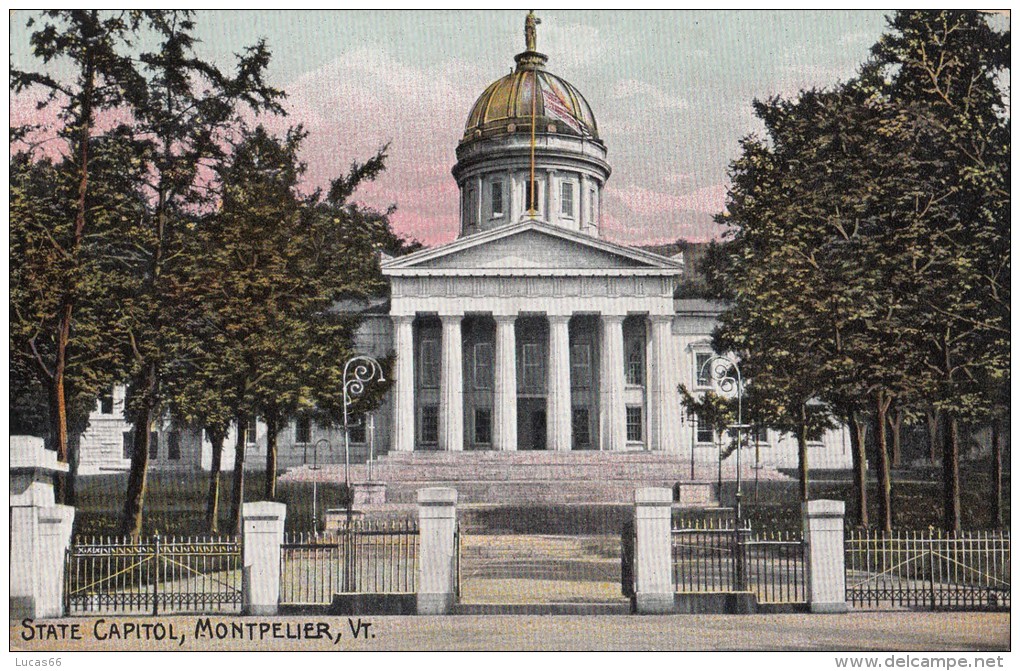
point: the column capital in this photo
(611, 318)
(505, 319)
(558, 319)
(402, 319)
(660, 319)
(451, 318)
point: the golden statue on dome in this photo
(530, 34)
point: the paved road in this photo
(856, 631)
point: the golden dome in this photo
(506, 105)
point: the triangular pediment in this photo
(533, 246)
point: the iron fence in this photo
(718, 555)
(928, 569)
(363, 557)
(154, 575)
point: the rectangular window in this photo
(580, 364)
(635, 430)
(357, 430)
(153, 445)
(471, 207)
(705, 433)
(567, 199)
(532, 378)
(129, 444)
(106, 402)
(497, 198)
(483, 426)
(429, 424)
(429, 363)
(702, 372)
(173, 446)
(483, 365)
(635, 362)
(581, 427)
(594, 210)
(303, 430)
(759, 435)
(532, 193)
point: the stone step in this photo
(619, 607)
(691, 494)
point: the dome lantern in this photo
(531, 125)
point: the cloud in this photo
(646, 202)
(647, 95)
(366, 98)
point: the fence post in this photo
(826, 556)
(40, 531)
(437, 526)
(653, 571)
(262, 525)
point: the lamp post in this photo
(358, 371)
(315, 482)
(726, 372)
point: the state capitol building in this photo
(529, 332)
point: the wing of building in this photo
(530, 331)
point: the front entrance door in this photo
(531, 422)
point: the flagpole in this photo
(534, 101)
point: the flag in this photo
(557, 107)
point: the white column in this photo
(584, 217)
(653, 585)
(558, 402)
(664, 412)
(437, 526)
(262, 525)
(613, 414)
(504, 411)
(403, 385)
(826, 561)
(451, 387)
(40, 531)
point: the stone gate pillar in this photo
(40, 531)
(653, 584)
(262, 523)
(437, 528)
(826, 559)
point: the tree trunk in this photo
(134, 501)
(272, 431)
(802, 454)
(212, 501)
(76, 427)
(857, 427)
(996, 475)
(237, 495)
(882, 402)
(932, 416)
(950, 473)
(896, 426)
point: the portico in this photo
(531, 337)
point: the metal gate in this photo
(720, 556)
(151, 576)
(364, 558)
(928, 570)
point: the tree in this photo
(92, 43)
(47, 259)
(941, 70)
(186, 110)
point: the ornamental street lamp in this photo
(358, 371)
(726, 372)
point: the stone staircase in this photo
(525, 477)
